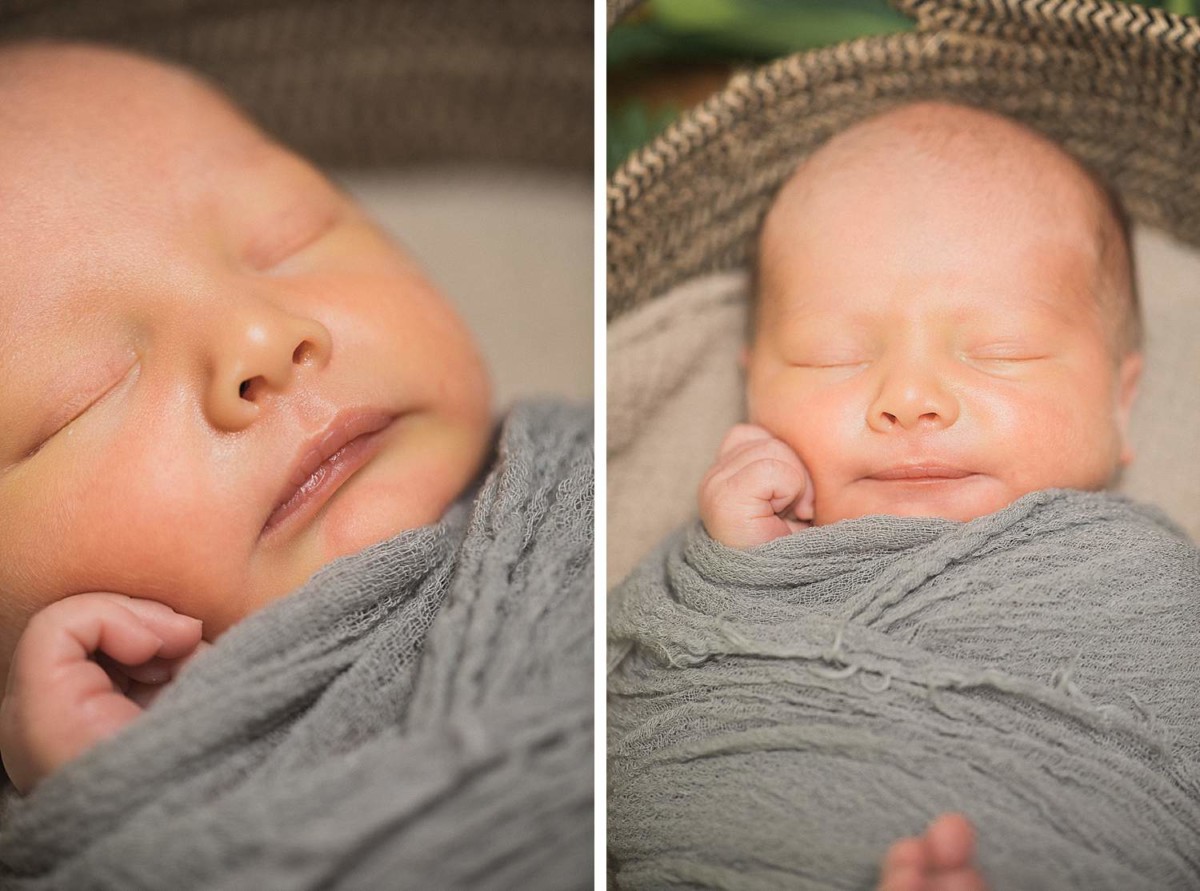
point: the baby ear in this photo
(1128, 377)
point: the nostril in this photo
(248, 388)
(891, 418)
(301, 353)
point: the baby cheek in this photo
(1059, 436)
(149, 527)
(1032, 421)
(813, 421)
(771, 399)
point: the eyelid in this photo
(851, 364)
(830, 359)
(300, 228)
(1001, 356)
(74, 414)
(1004, 347)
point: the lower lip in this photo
(326, 480)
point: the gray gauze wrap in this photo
(779, 716)
(419, 715)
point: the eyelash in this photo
(1006, 358)
(830, 366)
(45, 440)
(832, 363)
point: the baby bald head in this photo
(50, 78)
(985, 161)
(61, 101)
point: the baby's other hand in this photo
(758, 490)
(85, 667)
(943, 859)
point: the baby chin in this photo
(390, 494)
(959, 499)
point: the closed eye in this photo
(73, 410)
(832, 363)
(1003, 349)
(287, 236)
(1000, 357)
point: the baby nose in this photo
(912, 402)
(261, 355)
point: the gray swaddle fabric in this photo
(418, 715)
(779, 716)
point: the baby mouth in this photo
(324, 463)
(920, 473)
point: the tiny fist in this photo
(84, 667)
(758, 490)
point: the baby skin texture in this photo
(190, 318)
(945, 323)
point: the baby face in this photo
(193, 323)
(929, 339)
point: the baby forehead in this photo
(943, 131)
(894, 310)
(942, 185)
(111, 113)
(99, 150)
(973, 150)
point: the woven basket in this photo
(1117, 85)
(369, 82)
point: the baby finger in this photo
(180, 633)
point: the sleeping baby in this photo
(909, 582)
(217, 376)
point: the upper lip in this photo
(346, 426)
(915, 471)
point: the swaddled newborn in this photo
(945, 323)
(217, 375)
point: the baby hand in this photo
(85, 667)
(940, 860)
(757, 491)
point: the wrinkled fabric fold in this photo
(418, 715)
(779, 716)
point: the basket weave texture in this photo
(369, 82)
(1114, 84)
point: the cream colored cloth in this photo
(513, 250)
(675, 387)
